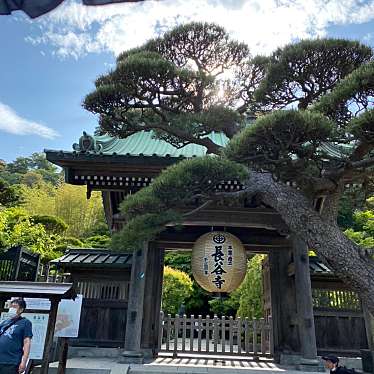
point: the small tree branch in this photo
(212, 148)
(202, 206)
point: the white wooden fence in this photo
(228, 336)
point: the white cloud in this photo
(12, 123)
(75, 30)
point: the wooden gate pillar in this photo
(152, 303)
(304, 303)
(133, 352)
(283, 304)
(369, 326)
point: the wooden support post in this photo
(152, 300)
(17, 263)
(63, 355)
(283, 305)
(50, 333)
(133, 352)
(304, 303)
(369, 326)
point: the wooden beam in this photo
(255, 238)
(238, 217)
(187, 246)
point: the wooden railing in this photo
(336, 299)
(228, 336)
(104, 290)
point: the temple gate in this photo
(119, 167)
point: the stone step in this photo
(53, 370)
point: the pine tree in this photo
(314, 131)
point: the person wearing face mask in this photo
(15, 339)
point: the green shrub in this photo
(177, 287)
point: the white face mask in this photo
(12, 312)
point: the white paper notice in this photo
(68, 318)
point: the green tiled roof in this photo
(144, 143)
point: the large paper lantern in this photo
(219, 262)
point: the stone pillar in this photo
(133, 352)
(304, 303)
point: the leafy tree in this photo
(362, 231)
(179, 261)
(18, 228)
(97, 241)
(52, 224)
(100, 228)
(20, 166)
(177, 287)
(30, 170)
(192, 81)
(67, 202)
(32, 178)
(9, 195)
(301, 73)
(62, 243)
(226, 306)
(251, 292)
(198, 302)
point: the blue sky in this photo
(48, 65)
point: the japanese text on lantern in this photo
(218, 257)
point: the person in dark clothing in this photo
(332, 363)
(15, 340)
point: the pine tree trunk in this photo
(323, 236)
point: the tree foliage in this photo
(180, 88)
(301, 73)
(180, 185)
(30, 170)
(17, 228)
(67, 202)
(362, 231)
(285, 143)
(52, 224)
(9, 195)
(97, 241)
(226, 306)
(176, 86)
(251, 292)
(177, 287)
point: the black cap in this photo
(331, 358)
